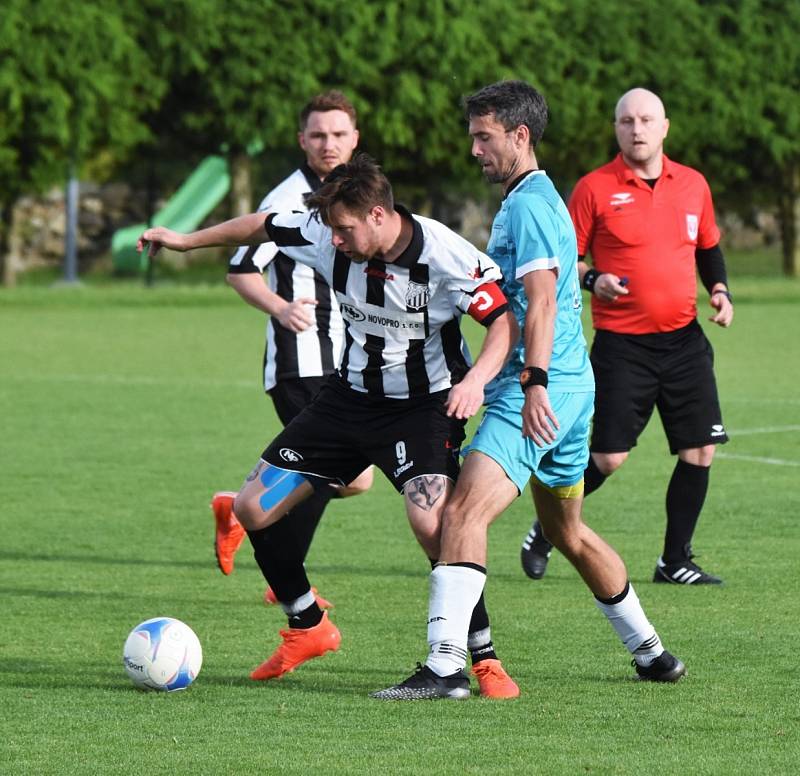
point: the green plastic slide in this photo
(202, 191)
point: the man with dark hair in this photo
(649, 223)
(402, 395)
(305, 331)
(536, 424)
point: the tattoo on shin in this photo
(426, 490)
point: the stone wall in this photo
(39, 225)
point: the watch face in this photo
(524, 377)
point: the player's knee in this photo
(566, 538)
(245, 507)
(268, 497)
(608, 463)
(698, 456)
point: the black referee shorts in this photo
(673, 371)
(343, 431)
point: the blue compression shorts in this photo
(558, 464)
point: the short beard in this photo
(495, 177)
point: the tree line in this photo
(142, 89)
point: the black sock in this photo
(593, 478)
(480, 648)
(308, 618)
(281, 562)
(686, 495)
(305, 517)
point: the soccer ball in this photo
(162, 654)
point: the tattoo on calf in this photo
(426, 490)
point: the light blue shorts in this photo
(555, 465)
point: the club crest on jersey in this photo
(692, 224)
(416, 296)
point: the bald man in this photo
(649, 224)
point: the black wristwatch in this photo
(724, 293)
(532, 375)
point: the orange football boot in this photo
(493, 680)
(298, 646)
(230, 533)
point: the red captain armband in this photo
(488, 303)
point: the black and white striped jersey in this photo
(316, 351)
(402, 334)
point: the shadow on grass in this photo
(362, 569)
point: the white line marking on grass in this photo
(765, 430)
(757, 459)
(759, 400)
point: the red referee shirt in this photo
(647, 235)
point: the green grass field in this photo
(123, 409)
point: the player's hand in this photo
(465, 398)
(724, 309)
(296, 316)
(159, 237)
(539, 422)
(609, 286)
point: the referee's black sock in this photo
(281, 562)
(593, 478)
(479, 636)
(686, 495)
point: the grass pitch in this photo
(123, 409)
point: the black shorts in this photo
(343, 431)
(290, 397)
(673, 371)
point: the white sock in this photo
(454, 592)
(632, 626)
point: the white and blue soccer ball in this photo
(162, 654)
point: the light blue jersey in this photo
(533, 231)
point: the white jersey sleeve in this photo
(302, 237)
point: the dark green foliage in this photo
(145, 89)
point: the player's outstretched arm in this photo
(466, 398)
(245, 230)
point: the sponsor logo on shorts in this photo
(717, 430)
(353, 313)
(290, 455)
(400, 469)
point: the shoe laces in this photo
(487, 667)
